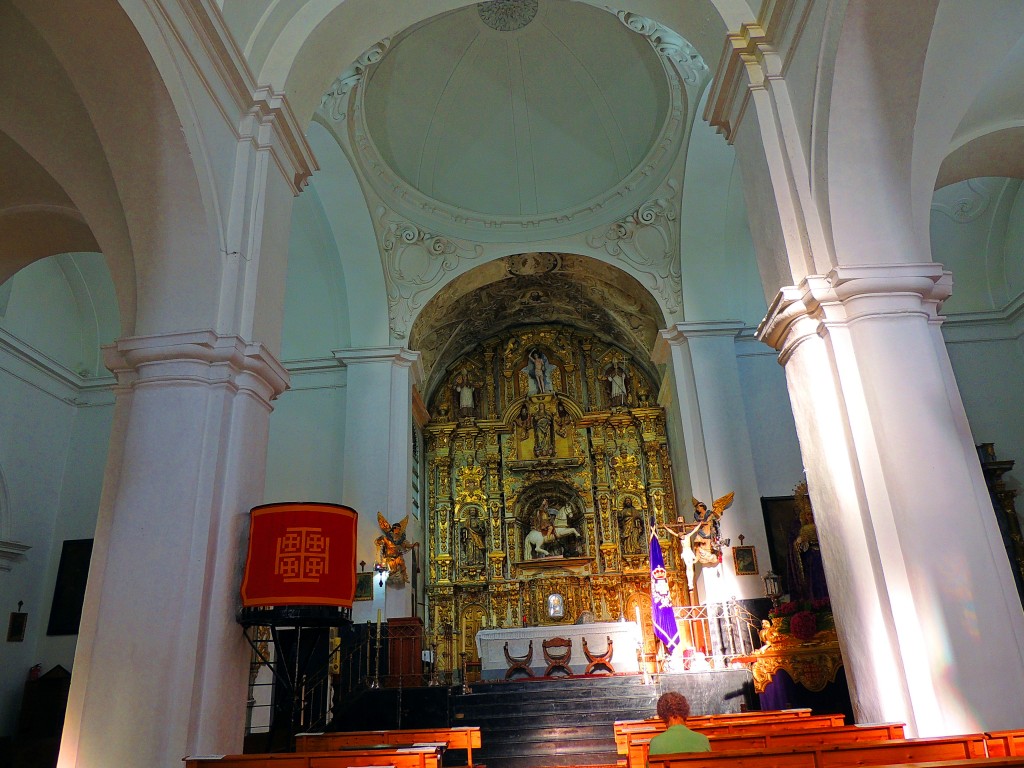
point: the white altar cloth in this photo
(490, 644)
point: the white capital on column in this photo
(705, 377)
(161, 666)
(930, 624)
(378, 448)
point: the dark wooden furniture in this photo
(519, 663)
(597, 660)
(557, 660)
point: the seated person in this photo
(673, 708)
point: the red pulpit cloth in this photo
(300, 554)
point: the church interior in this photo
(584, 310)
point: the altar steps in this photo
(533, 723)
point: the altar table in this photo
(490, 644)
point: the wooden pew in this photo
(777, 739)
(895, 752)
(625, 729)
(461, 737)
(1010, 743)
(399, 757)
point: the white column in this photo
(928, 616)
(706, 378)
(378, 454)
(161, 665)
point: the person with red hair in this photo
(673, 708)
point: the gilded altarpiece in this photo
(547, 461)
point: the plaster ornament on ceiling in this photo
(507, 15)
(415, 260)
(969, 205)
(674, 47)
(536, 263)
(648, 241)
(335, 103)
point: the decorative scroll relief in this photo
(648, 241)
(415, 261)
(969, 205)
(335, 103)
(690, 65)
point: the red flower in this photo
(803, 625)
(821, 604)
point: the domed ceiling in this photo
(517, 107)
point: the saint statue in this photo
(538, 371)
(391, 548)
(472, 538)
(631, 528)
(806, 572)
(616, 384)
(543, 433)
(467, 396)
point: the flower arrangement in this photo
(803, 619)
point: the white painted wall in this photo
(773, 441)
(54, 433)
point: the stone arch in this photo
(118, 165)
(886, 137)
(494, 296)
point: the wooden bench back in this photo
(777, 739)
(649, 728)
(898, 751)
(461, 737)
(403, 757)
(1006, 742)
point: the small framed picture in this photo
(364, 586)
(556, 606)
(745, 559)
(16, 627)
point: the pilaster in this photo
(378, 450)
(717, 441)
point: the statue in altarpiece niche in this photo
(631, 526)
(543, 432)
(473, 538)
(538, 370)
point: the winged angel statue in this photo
(703, 544)
(391, 548)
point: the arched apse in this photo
(905, 78)
(125, 143)
(530, 289)
(63, 307)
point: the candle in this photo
(378, 621)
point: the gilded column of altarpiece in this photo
(546, 461)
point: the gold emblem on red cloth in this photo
(302, 555)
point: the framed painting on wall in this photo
(745, 560)
(364, 587)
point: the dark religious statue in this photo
(806, 573)
(543, 432)
(472, 538)
(391, 548)
(631, 526)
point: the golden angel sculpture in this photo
(391, 549)
(707, 540)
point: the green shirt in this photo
(679, 738)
